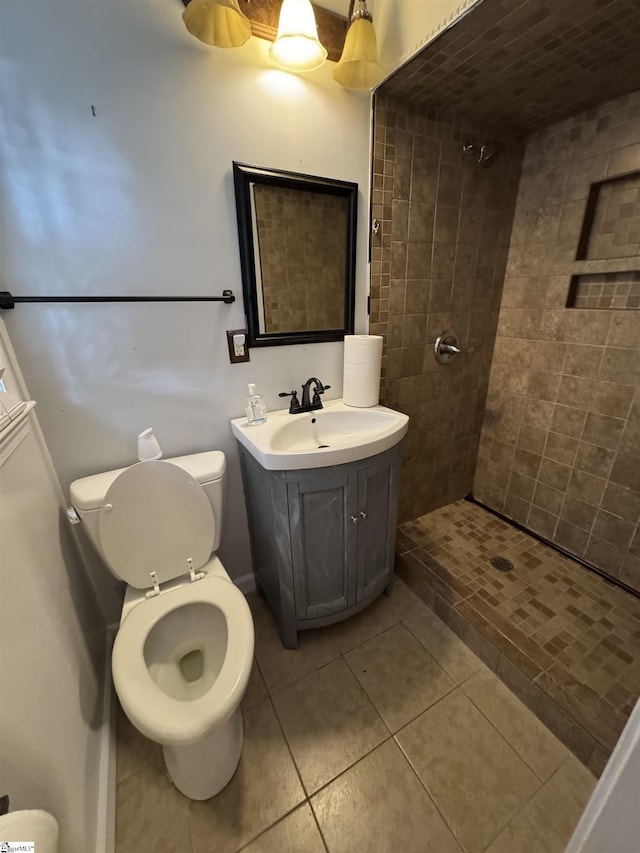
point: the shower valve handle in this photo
(446, 348)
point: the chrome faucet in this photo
(296, 407)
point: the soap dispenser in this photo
(256, 409)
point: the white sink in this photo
(332, 435)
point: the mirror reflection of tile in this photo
(302, 258)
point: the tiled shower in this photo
(560, 442)
(438, 263)
(534, 261)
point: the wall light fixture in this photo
(359, 67)
(297, 47)
(217, 22)
(292, 27)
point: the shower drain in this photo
(502, 564)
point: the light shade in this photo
(217, 22)
(359, 67)
(296, 47)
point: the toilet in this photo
(32, 825)
(184, 649)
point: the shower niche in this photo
(607, 274)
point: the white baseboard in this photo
(106, 817)
(246, 583)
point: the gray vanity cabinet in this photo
(377, 499)
(322, 545)
(322, 540)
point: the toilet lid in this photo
(154, 517)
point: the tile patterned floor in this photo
(378, 734)
(564, 639)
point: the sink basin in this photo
(332, 435)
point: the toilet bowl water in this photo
(184, 651)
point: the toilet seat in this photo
(157, 715)
(154, 518)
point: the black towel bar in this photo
(8, 301)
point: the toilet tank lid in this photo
(88, 492)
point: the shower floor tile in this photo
(334, 762)
(564, 639)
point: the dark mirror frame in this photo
(244, 176)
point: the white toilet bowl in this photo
(181, 663)
(183, 654)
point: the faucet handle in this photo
(294, 408)
(317, 391)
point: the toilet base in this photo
(202, 769)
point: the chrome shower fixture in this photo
(486, 157)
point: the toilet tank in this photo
(87, 494)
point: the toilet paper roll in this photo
(362, 364)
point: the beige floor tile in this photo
(151, 814)
(379, 806)
(446, 647)
(256, 689)
(370, 622)
(265, 787)
(133, 750)
(546, 823)
(405, 602)
(399, 676)
(281, 667)
(328, 722)
(530, 738)
(296, 833)
(474, 777)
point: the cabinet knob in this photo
(363, 515)
(354, 519)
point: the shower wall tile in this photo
(438, 263)
(564, 388)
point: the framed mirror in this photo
(298, 255)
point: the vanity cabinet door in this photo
(323, 545)
(376, 524)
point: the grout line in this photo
(541, 784)
(425, 710)
(441, 666)
(528, 802)
(286, 740)
(275, 823)
(341, 652)
(369, 699)
(504, 737)
(315, 817)
(308, 795)
(350, 767)
(279, 690)
(427, 792)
